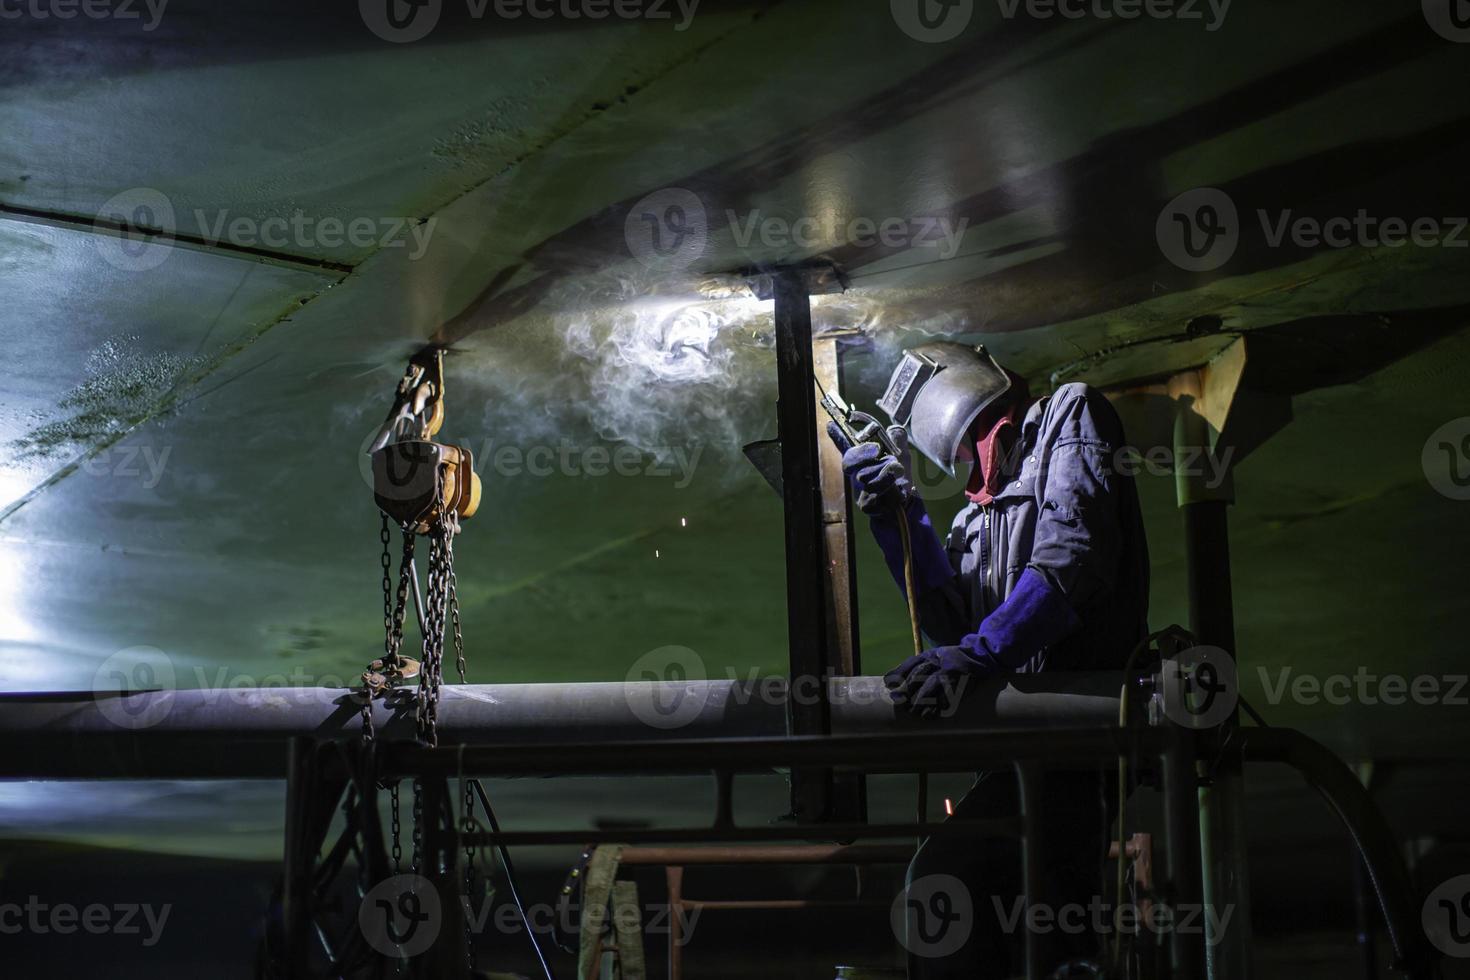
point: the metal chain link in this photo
(394, 642)
(397, 829)
(366, 694)
(386, 537)
(431, 671)
(387, 564)
(469, 867)
(459, 660)
(394, 609)
(418, 827)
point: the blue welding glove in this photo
(1034, 616)
(882, 482)
(880, 478)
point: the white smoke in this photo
(664, 367)
(658, 371)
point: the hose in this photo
(908, 577)
(1143, 645)
(510, 880)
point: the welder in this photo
(1045, 568)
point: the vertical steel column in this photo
(297, 883)
(1029, 777)
(1207, 555)
(1226, 882)
(1365, 909)
(841, 580)
(1182, 853)
(448, 957)
(844, 655)
(808, 710)
(674, 875)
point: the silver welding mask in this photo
(937, 391)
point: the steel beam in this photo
(806, 558)
(1204, 404)
(242, 733)
(849, 801)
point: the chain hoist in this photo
(427, 489)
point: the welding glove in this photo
(882, 483)
(1033, 617)
(880, 478)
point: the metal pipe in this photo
(448, 957)
(1221, 801)
(1033, 855)
(241, 733)
(296, 883)
(769, 834)
(675, 878)
(1182, 854)
(845, 854)
(1079, 748)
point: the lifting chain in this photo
(397, 828)
(459, 661)
(424, 488)
(468, 827)
(417, 834)
(431, 674)
(383, 673)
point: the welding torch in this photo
(859, 428)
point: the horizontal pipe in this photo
(733, 835)
(934, 751)
(845, 854)
(241, 733)
(778, 905)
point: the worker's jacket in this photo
(1067, 512)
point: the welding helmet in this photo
(937, 391)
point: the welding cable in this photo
(1255, 715)
(900, 514)
(510, 879)
(908, 578)
(1138, 650)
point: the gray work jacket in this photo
(1067, 512)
